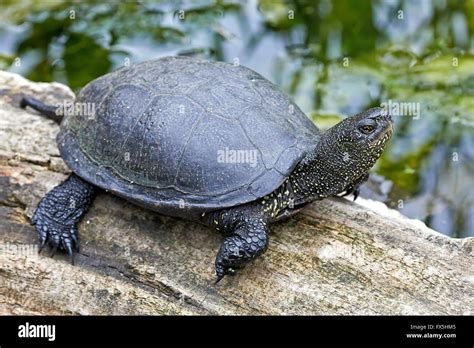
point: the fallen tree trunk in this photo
(335, 257)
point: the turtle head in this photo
(363, 135)
(358, 141)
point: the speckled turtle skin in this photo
(155, 137)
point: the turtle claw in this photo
(75, 242)
(53, 251)
(352, 191)
(356, 193)
(355, 188)
(59, 236)
(222, 274)
(219, 278)
(70, 252)
(71, 258)
(42, 244)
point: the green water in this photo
(333, 58)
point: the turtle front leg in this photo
(59, 212)
(246, 243)
(249, 239)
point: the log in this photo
(335, 257)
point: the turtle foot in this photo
(248, 242)
(56, 234)
(59, 213)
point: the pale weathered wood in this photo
(336, 257)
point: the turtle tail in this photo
(46, 110)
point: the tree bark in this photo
(335, 257)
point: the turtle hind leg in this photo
(50, 111)
(249, 239)
(59, 212)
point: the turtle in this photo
(208, 141)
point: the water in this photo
(333, 58)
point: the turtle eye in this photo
(367, 127)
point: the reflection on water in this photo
(334, 58)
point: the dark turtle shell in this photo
(180, 135)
